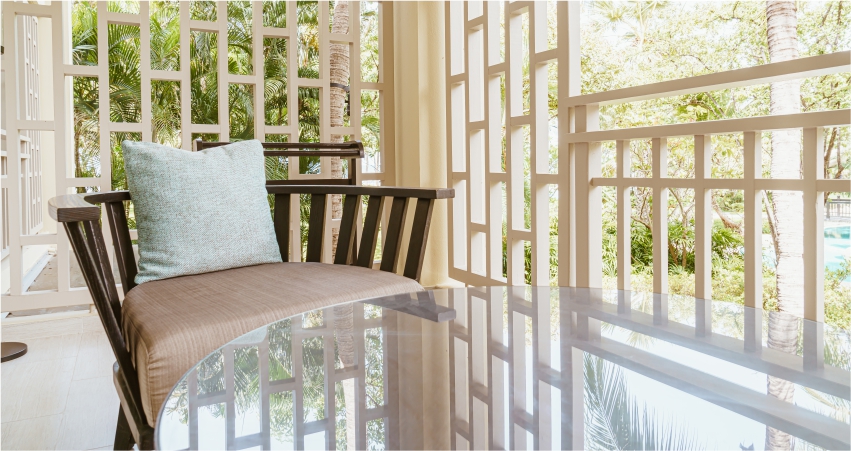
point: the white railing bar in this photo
(822, 185)
(660, 217)
(768, 73)
(80, 71)
(753, 220)
(703, 220)
(813, 169)
(279, 33)
(113, 18)
(203, 25)
(207, 128)
(131, 127)
(166, 75)
(831, 118)
(624, 202)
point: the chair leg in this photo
(123, 436)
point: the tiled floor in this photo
(60, 394)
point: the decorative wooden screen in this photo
(22, 126)
(490, 210)
(29, 149)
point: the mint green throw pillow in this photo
(198, 212)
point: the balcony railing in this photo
(482, 218)
(838, 209)
(812, 184)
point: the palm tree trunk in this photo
(344, 315)
(785, 163)
(344, 327)
(339, 59)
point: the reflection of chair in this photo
(166, 326)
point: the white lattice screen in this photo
(509, 185)
(500, 147)
(30, 141)
(20, 124)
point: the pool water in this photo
(837, 246)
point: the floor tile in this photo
(33, 433)
(35, 388)
(95, 357)
(28, 331)
(91, 324)
(51, 348)
(90, 414)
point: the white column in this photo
(420, 82)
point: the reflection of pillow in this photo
(198, 212)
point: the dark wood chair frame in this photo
(352, 151)
(81, 219)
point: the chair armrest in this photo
(72, 208)
(389, 191)
(109, 196)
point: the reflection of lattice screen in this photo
(499, 148)
(287, 408)
(502, 395)
(378, 168)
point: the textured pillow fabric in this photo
(198, 212)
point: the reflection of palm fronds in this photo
(837, 351)
(614, 420)
(838, 408)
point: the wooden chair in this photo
(352, 151)
(81, 219)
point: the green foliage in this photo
(837, 302)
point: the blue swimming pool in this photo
(837, 245)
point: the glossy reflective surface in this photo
(519, 368)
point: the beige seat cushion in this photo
(172, 324)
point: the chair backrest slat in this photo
(316, 228)
(127, 268)
(393, 235)
(282, 224)
(94, 237)
(419, 236)
(366, 254)
(347, 241)
(91, 251)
